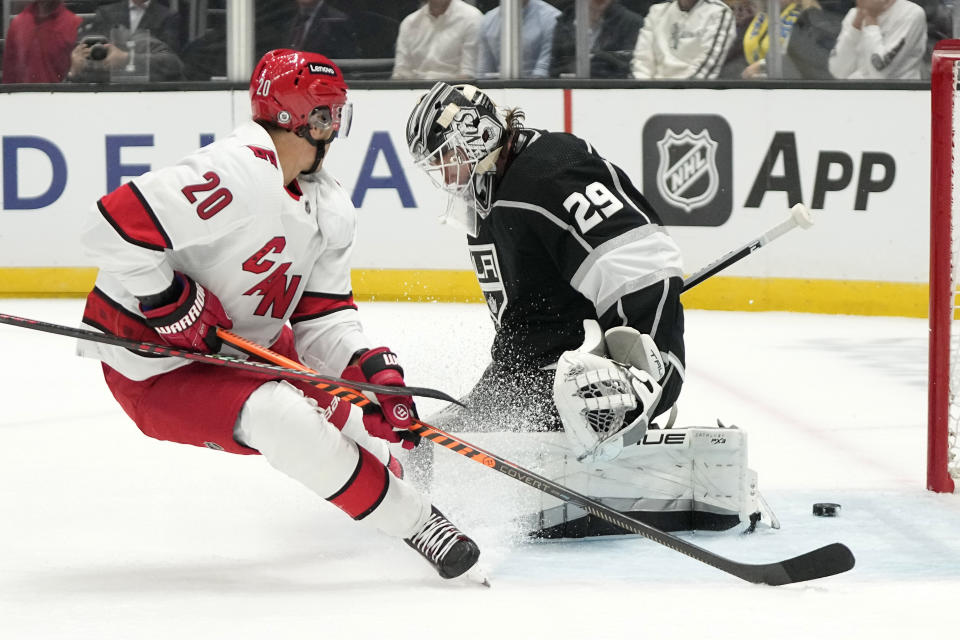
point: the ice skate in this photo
(447, 548)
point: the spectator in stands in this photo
(378, 23)
(134, 38)
(133, 16)
(939, 26)
(273, 23)
(684, 39)
(538, 20)
(135, 56)
(126, 45)
(807, 35)
(744, 11)
(38, 43)
(438, 41)
(756, 40)
(613, 35)
(321, 28)
(881, 40)
(812, 39)
(205, 56)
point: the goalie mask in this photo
(603, 405)
(455, 134)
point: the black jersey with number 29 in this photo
(569, 237)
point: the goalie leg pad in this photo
(675, 479)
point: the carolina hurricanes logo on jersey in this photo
(276, 290)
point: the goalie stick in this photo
(800, 216)
(330, 384)
(826, 561)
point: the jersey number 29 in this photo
(581, 205)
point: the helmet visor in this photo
(339, 118)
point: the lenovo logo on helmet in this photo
(323, 69)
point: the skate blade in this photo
(476, 576)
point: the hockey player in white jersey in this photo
(583, 286)
(253, 233)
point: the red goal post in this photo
(943, 417)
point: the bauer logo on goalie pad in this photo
(687, 173)
(659, 436)
(487, 267)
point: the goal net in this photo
(943, 419)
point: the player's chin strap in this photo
(319, 145)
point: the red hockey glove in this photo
(396, 414)
(186, 315)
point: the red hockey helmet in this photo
(297, 89)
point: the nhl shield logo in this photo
(688, 168)
(687, 175)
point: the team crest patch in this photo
(487, 267)
(687, 175)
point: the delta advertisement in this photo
(720, 167)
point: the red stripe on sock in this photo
(365, 489)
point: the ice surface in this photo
(105, 533)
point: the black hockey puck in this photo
(826, 509)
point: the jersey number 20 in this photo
(581, 205)
(213, 203)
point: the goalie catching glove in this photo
(395, 415)
(606, 404)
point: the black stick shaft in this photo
(338, 386)
(799, 217)
(720, 265)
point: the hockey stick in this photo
(800, 216)
(826, 561)
(331, 384)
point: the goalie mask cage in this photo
(943, 418)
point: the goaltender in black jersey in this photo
(583, 284)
